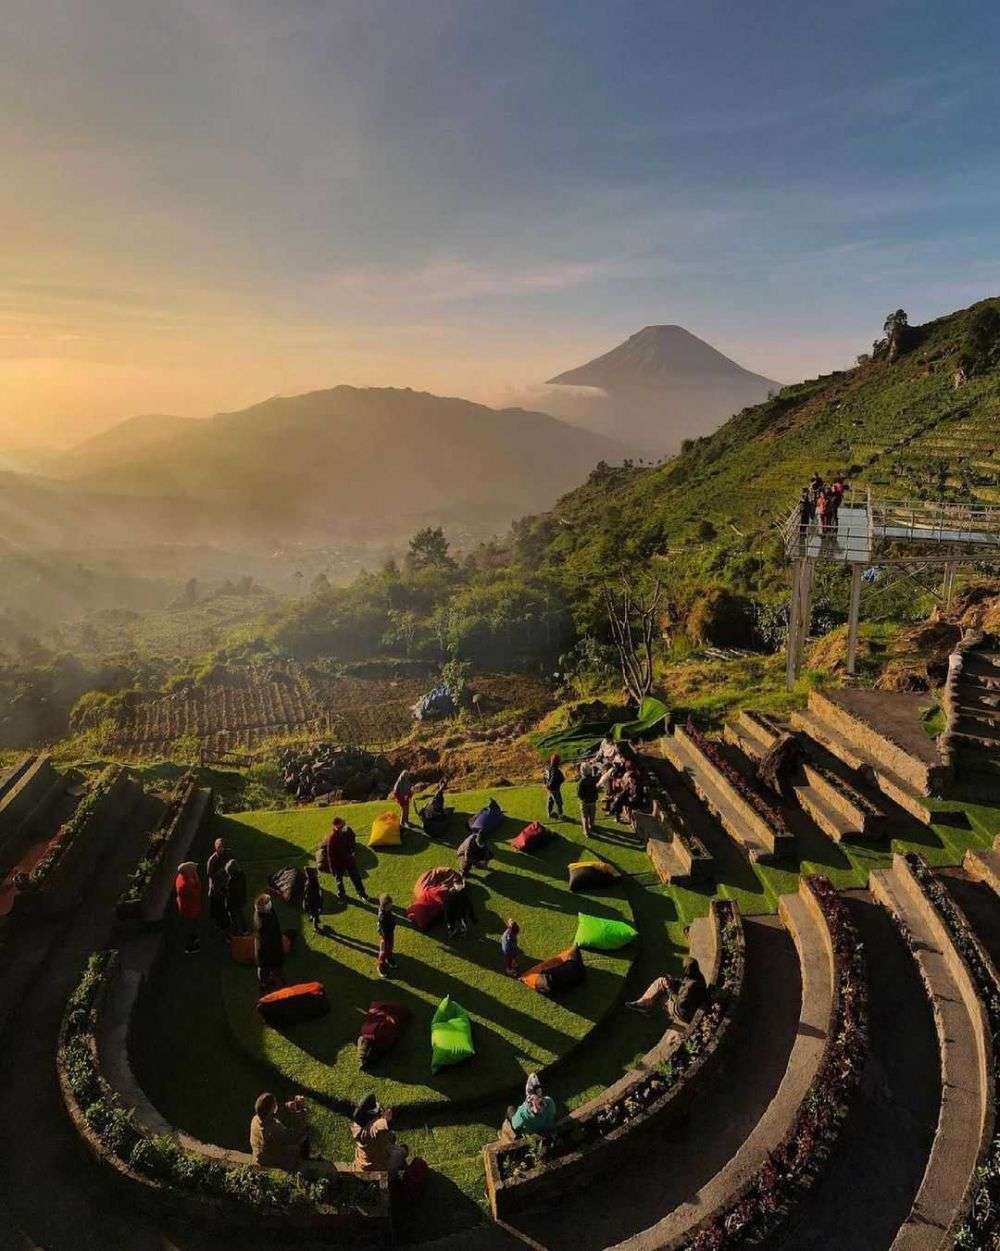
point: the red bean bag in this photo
(380, 1029)
(291, 1004)
(532, 837)
(428, 908)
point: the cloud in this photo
(450, 280)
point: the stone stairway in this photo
(973, 706)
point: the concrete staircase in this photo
(973, 734)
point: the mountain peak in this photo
(657, 356)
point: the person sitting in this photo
(279, 1135)
(434, 815)
(458, 913)
(536, 1115)
(376, 1148)
(680, 1000)
(473, 853)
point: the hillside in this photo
(342, 462)
(901, 426)
(660, 386)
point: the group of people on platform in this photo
(614, 769)
(820, 503)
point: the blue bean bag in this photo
(487, 820)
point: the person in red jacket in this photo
(340, 851)
(187, 888)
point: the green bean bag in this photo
(451, 1035)
(603, 934)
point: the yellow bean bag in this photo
(385, 830)
(586, 875)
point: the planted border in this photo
(132, 901)
(77, 826)
(531, 1171)
(981, 1227)
(163, 1175)
(770, 815)
(761, 1206)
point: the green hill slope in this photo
(901, 427)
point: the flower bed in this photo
(528, 1171)
(171, 1178)
(982, 1225)
(80, 822)
(771, 816)
(133, 898)
(766, 1199)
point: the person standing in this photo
(385, 924)
(312, 897)
(187, 889)
(586, 793)
(402, 793)
(236, 897)
(215, 870)
(268, 944)
(341, 850)
(510, 947)
(554, 778)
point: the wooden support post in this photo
(852, 619)
(805, 609)
(791, 646)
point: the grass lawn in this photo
(516, 1031)
(204, 1081)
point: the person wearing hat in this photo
(376, 1147)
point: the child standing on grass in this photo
(509, 947)
(386, 924)
(312, 897)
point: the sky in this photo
(208, 202)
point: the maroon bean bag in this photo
(439, 876)
(291, 1004)
(532, 837)
(380, 1029)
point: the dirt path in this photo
(884, 1149)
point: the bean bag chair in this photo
(532, 837)
(602, 933)
(557, 974)
(451, 1035)
(241, 946)
(385, 830)
(289, 885)
(487, 820)
(441, 875)
(591, 875)
(427, 908)
(323, 858)
(291, 1004)
(380, 1030)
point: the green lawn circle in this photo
(515, 1030)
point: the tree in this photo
(429, 549)
(896, 329)
(633, 622)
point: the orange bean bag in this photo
(294, 1003)
(557, 973)
(241, 947)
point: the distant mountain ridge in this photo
(661, 386)
(339, 462)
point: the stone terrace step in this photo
(15, 773)
(984, 866)
(965, 1120)
(809, 932)
(719, 800)
(901, 792)
(886, 726)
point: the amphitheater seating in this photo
(985, 865)
(967, 1109)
